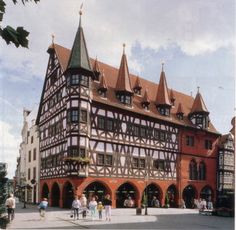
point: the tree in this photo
(16, 36)
(3, 195)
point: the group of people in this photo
(202, 204)
(93, 206)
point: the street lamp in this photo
(146, 195)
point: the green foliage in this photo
(144, 200)
(16, 36)
(3, 188)
(82, 160)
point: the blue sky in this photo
(195, 39)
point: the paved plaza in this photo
(158, 218)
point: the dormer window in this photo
(102, 93)
(163, 110)
(124, 99)
(145, 106)
(137, 91)
(180, 116)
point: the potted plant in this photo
(81, 160)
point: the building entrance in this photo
(189, 194)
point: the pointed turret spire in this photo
(103, 84)
(180, 111)
(123, 81)
(162, 93)
(172, 97)
(146, 100)
(198, 104)
(96, 70)
(79, 58)
(137, 86)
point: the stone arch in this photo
(67, 194)
(96, 188)
(172, 193)
(153, 189)
(55, 195)
(125, 190)
(45, 191)
(188, 195)
(207, 193)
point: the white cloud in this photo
(9, 147)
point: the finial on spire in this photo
(80, 11)
(198, 88)
(123, 48)
(53, 37)
(162, 66)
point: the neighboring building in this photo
(104, 130)
(226, 170)
(27, 172)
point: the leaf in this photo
(2, 6)
(22, 37)
(10, 35)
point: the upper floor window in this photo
(101, 122)
(202, 171)
(193, 170)
(29, 174)
(102, 93)
(208, 144)
(83, 115)
(103, 159)
(34, 154)
(75, 151)
(84, 80)
(73, 115)
(190, 140)
(110, 125)
(29, 156)
(74, 79)
(143, 132)
(164, 111)
(137, 91)
(53, 77)
(159, 164)
(138, 163)
(32, 139)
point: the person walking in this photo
(100, 208)
(42, 208)
(92, 207)
(11, 205)
(76, 206)
(107, 204)
(155, 202)
(83, 201)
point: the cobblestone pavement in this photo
(158, 218)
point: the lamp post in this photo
(146, 194)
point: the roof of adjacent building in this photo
(112, 74)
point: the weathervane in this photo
(80, 11)
(123, 48)
(162, 65)
(53, 37)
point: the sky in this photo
(194, 38)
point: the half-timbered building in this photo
(104, 130)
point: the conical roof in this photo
(199, 105)
(137, 84)
(172, 95)
(103, 84)
(123, 80)
(96, 67)
(162, 93)
(180, 109)
(79, 57)
(146, 99)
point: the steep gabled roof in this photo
(199, 105)
(162, 92)
(172, 95)
(138, 83)
(146, 99)
(180, 109)
(103, 84)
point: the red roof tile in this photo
(111, 79)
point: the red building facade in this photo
(104, 130)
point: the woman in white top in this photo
(76, 205)
(92, 207)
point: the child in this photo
(42, 207)
(100, 208)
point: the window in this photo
(162, 136)
(32, 139)
(136, 130)
(135, 162)
(202, 171)
(142, 163)
(208, 144)
(143, 132)
(74, 79)
(193, 170)
(53, 77)
(100, 159)
(159, 164)
(190, 140)
(156, 134)
(73, 151)
(108, 160)
(34, 172)
(84, 80)
(102, 93)
(34, 154)
(29, 156)
(101, 122)
(164, 111)
(73, 115)
(110, 125)
(137, 91)
(83, 116)
(29, 174)
(125, 99)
